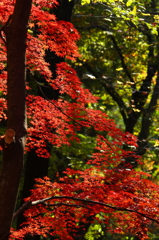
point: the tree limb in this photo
(88, 201)
(147, 119)
(111, 91)
(122, 60)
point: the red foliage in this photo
(102, 191)
(121, 198)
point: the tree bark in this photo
(15, 30)
(37, 167)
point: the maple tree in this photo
(102, 190)
(34, 165)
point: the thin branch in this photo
(60, 109)
(119, 53)
(65, 204)
(57, 107)
(24, 207)
(88, 201)
(89, 68)
(94, 202)
(116, 97)
(111, 91)
(122, 60)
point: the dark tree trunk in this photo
(37, 167)
(15, 30)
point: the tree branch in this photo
(122, 60)
(147, 119)
(88, 201)
(116, 97)
(24, 207)
(140, 96)
(110, 90)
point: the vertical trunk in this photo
(15, 30)
(37, 167)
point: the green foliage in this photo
(74, 156)
(117, 39)
(94, 232)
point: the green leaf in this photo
(129, 2)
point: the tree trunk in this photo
(37, 167)
(15, 30)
